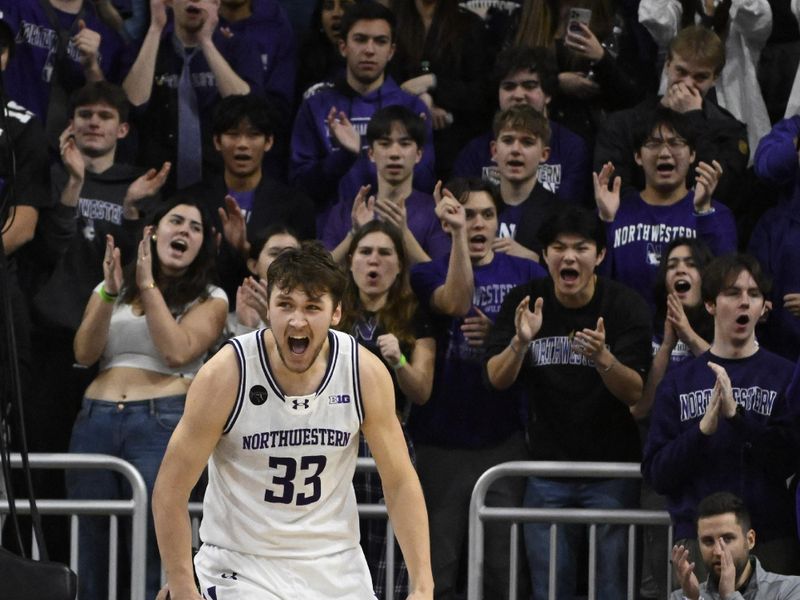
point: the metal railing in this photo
(479, 512)
(136, 507)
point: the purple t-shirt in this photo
(461, 412)
(420, 216)
(28, 75)
(566, 172)
(640, 232)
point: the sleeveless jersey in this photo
(280, 477)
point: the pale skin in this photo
(138, 84)
(208, 405)
(178, 342)
(362, 212)
(454, 298)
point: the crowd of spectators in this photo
(543, 207)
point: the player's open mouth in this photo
(665, 167)
(569, 275)
(742, 319)
(193, 10)
(682, 286)
(241, 157)
(297, 345)
(372, 275)
(515, 163)
(477, 239)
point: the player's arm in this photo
(208, 405)
(19, 228)
(401, 488)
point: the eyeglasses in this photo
(671, 143)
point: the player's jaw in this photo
(299, 350)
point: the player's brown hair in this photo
(309, 268)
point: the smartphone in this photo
(577, 16)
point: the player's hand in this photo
(343, 131)
(682, 98)
(144, 260)
(448, 209)
(158, 14)
(706, 180)
(584, 43)
(607, 200)
(676, 315)
(363, 210)
(71, 157)
(576, 84)
(476, 328)
(389, 346)
(234, 227)
(512, 247)
(440, 118)
(791, 302)
(670, 337)
(528, 322)
(727, 405)
(684, 571)
(112, 267)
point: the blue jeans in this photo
(135, 431)
(611, 539)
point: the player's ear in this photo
(711, 308)
(750, 539)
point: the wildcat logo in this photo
(296, 404)
(339, 399)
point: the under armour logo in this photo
(298, 403)
(231, 576)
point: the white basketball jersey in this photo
(280, 477)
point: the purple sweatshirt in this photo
(566, 172)
(742, 456)
(420, 216)
(327, 172)
(640, 232)
(27, 78)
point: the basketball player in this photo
(278, 412)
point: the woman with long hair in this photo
(441, 57)
(150, 328)
(600, 66)
(381, 312)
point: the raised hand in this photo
(607, 200)
(363, 210)
(591, 342)
(684, 571)
(71, 157)
(87, 42)
(211, 9)
(234, 227)
(112, 267)
(706, 180)
(392, 212)
(251, 302)
(448, 209)
(526, 321)
(512, 247)
(727, 405)
(144, 261)
(727, 573)
(584, 43)
(145, 186)
(791, 302)
(343, 131)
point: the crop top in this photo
(129, 343)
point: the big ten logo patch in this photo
(339, 399)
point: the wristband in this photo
(705, 213)
(400, 363)
(105, 296)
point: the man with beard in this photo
(731, 406)
(329, 154)
(183, 68)
(278, 412)
(726, 539)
